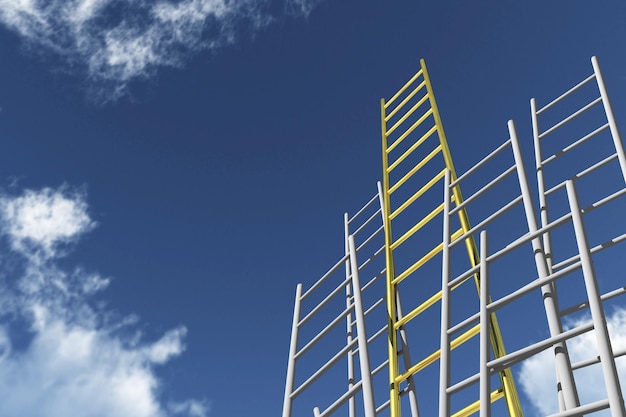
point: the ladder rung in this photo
(404, 87)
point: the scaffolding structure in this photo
(413, 240)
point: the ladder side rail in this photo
(608, 110)
(293, 348)
(607, 360)
(567, 393)
(444, 341)
(364, 361)
(485, 377)
(406, 354)
(349, 325)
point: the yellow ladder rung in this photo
(417, 227)
(433, 357)
(414, 169)
(410, 112)
(475, 406)
(418, 194)
(404, 87)
(407, 98)
(407, 133)
(412, 148)
(424, 259)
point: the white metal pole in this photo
(364, 360)
(566, 386)
(406, 358)
(617, 139)
(406, 354)
(444, 348)
(541, 184)
(293, 348)
(350, 356)
(616, 401)
(485, 377)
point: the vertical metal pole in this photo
(616, 401)
(566, 386)
(390, 291)
(406, 358)
(485, 378)
(444, 348)
(364, 360)
(293, 348)
(617, 139)
(541, 184)
(406, 354)
(350, 356)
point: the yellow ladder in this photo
(400, 131)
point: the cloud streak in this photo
(118, 41)
(79, 360)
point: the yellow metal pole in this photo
(392, 341)
(506, 378)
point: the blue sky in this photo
(191, 162)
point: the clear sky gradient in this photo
(214, 170)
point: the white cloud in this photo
(537, 376)
(79, 360)
(42, 221)
(118, 41)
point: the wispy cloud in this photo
(118, 41)
(79, 359)
(537, 376)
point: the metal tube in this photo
(593, 250)
(484, 189)
(369, 239)
(482, 162)
(527, 237)
(603, 340)
(319, 282)
(463, 384)
(444, 342)
(574, 144)
(617, 139)
(350, 394)
(541, 185)
(358, 213)
(519, 355)
(584, 172)
(508, 206)
(323, 369)
(604, 201)
(364, 359)
(368, 221)
(485, 377)
(416, 168)
(461, 325)
(349, 338)
(531, 286)
(606, 296)
(418, 194)
(370, 259)
(325, 301)
(584, 409)
(597, 359)
(380, 274)
(464, 276)
(565, 377)
(400, 91)
(567, 93)
(293, 347)
(406, 358)
(406, 99)
(344, 314)
(570, 117)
